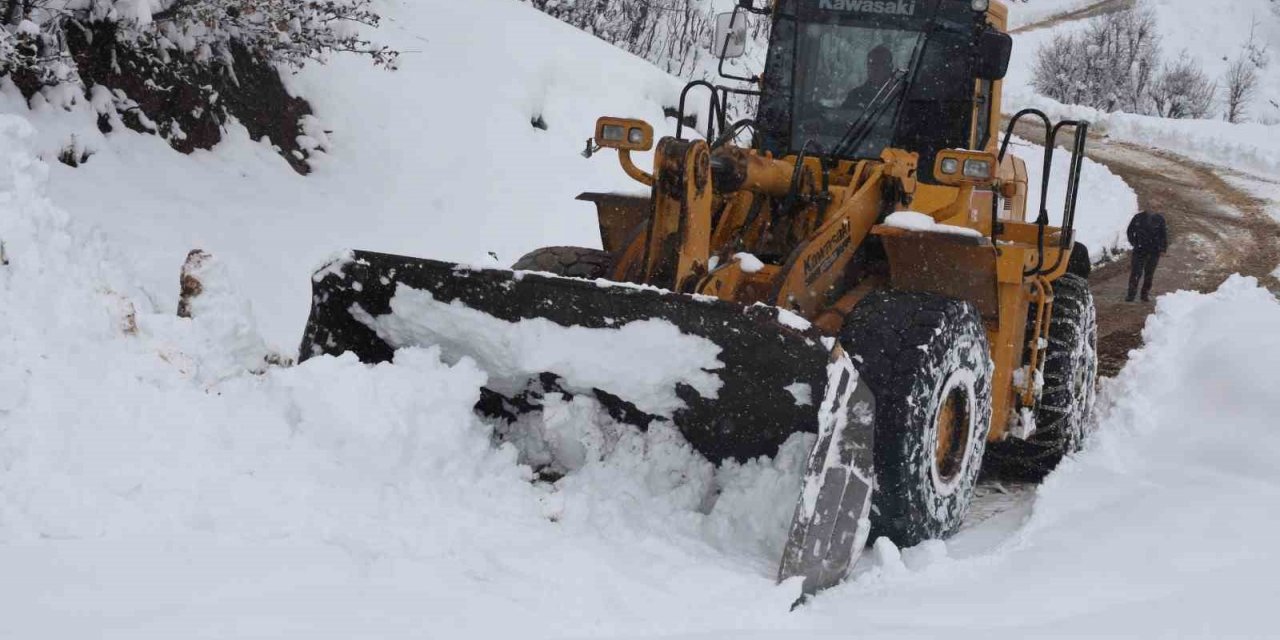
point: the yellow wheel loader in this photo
(857, 261)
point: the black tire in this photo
(1070, 387)
(1080, 264)
(925, 357)
(572, 262)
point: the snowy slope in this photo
(438, 159)
(1211, 37)
(1212, 34)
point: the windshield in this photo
(847, 73)
(822, 77)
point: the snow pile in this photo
(205, 500)
(1181, 468)
(1104, 204)
(913, 221)
(641, 361)
(1169, 504)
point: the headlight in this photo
(613, 133)
(977, 169)
(636, 135)
(950, 166)
(980, 5)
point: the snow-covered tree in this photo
(288, 32)
(182, 68)
(1111, 65)
(1183, 90)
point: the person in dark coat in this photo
(1149, 236)
(879, 72)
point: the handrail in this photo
(1081, 131)
(714, 115)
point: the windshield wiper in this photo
(865, 123)
(902, 82)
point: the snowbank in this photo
(142, 499)
(1248, 147)
(1168, 505)
(208, 501)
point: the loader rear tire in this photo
(571, 262)
(1070, 386)
(927, 360)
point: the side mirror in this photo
(994, 51)
(731, 36)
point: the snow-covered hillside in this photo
(1212, 37)
(151, 488)
(437, 159)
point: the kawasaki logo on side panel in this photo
(887, 7)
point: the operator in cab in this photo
(879, 71)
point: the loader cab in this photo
(850, 78)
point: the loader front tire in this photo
(927, 360)
(1070, 386)
(1080, 263)
(570, 262)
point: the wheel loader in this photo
(858, 260)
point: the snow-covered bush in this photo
(289, 32)
(1111, 65)
(1242, 84)
(1242, 76)
(1183, 90)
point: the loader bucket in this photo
(735, 380)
